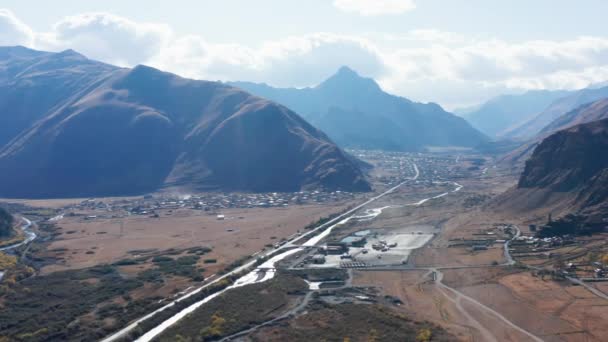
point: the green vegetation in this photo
(184, 266)
(322, 220)
(167, 265)
(352, 322)
(13, 272)
(165, 314)
(7, 261)
(215, 329)
(237, 263)
(51, 307)
(199, 250)
(6, 223)
(238, 309)
(424, 335)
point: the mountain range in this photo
(70, 127)
(496, 116)
(557, 108)
(589, 112)
(356, 113)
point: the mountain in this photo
(594, 111)
(75, 127)
(499, 114)
(355, 112)
(568, 170)
(32, 83)
(572, 160)
(556, 109)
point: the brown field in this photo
(547, 309)
(113, 239)
(421, 299)
(457, 256)
(550, 310)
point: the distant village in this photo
(210, 202)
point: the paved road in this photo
(289, 245)
(588, 287)
(508, 255)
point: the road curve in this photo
(29, 235)
(290, 244)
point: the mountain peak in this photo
(347, 71)
(68, 54)
(348, 79)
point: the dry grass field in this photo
(85, 243)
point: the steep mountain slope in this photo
(569, 158)
(569, 169)
(593, 111)
(586, 113)
(115, 131)
(503, 112)
(355, 112)
(34, 82)
(558, 108)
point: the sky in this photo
(457, 53)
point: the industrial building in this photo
(354, 241)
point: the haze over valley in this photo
(344, 170)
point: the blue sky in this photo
(456, 52)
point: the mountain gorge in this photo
(71, 126)
(557, 108)
(496, 116)
(356, 113)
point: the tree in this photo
(6, 223)
(180, 338)
(373, 336)
(424, 335)
(215, 329)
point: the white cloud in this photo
(424, 64)
(108, 37)
(293, 61)
(375, 7)
(13, 31)
(482, 68)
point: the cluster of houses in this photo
(213, 202)
(549, 242)
(600, 271)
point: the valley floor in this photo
(472, 279)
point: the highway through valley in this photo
(251, 277)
